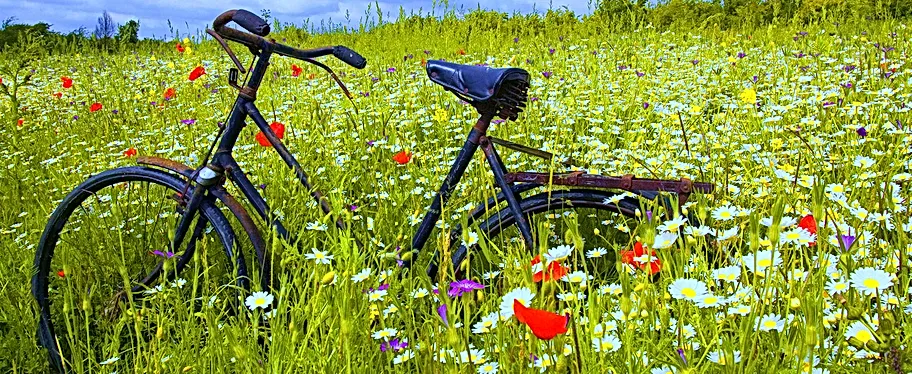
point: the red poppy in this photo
(277, 128)
(554, 270)
(629, 258)
(423, 62)
(130, 152)
(461, 52)
(810, 224)
(403, 157)
(295, 70)
(179, 47)
(170, 93)
(20, 122)
(67, 82)
(544, 324)
(58, 94)
(199, 71)
(311, 75)
(60, 273)
(1, 80)
(95, 107)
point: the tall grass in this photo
(772, 116)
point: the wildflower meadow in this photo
(798, 262)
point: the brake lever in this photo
(334, 76)
(225, 46)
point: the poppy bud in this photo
(810, 336)
(159, 332)
(479, 296)
(596, 231)
(453, 337)
(626, 305)
(886, 324)
(795, 303)
(407, 256)
(328, 278)
(345, 327)
(464, 265)
(86, 306)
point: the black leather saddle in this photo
(479, 83)
(501, 91)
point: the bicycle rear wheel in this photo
(598, 227)
(107, 248)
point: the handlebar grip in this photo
(251, 22)
(349, 56)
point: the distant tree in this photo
(128, 32)
(106, 26)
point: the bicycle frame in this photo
(223, 164)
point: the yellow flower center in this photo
(769, 324)
(689, 292)
(764, 262)
(871, 283)
(864, 336)
(710, 300)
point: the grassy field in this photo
(798, 262)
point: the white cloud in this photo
(192, 16)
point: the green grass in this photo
(788, 157)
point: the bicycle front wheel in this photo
(108, 248)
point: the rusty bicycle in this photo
(180, 213)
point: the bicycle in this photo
(199, 192)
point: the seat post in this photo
(449, 183)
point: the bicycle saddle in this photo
(479, 83)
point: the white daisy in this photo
(869, 280)
(523, 294)
(259, 299)
(687, 289)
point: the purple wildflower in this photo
(645, 105)
(622, 67)
(154, 103)
(550, 51)
(427, 52)
(533, 98)
(262, 186)
(847, 241)
(365, 94)
(114, 111)
(695, 62)
(862, 132)
(391, 70)
(649, 215)
(516, 40)
(75, 117)
(848, 68)
(846, 85)
(457, 288)
(681, 354)
(353, 207)
(546, 74)
(374, 79)
(394, 345)
(167, 254)
(755, 78)
(742, 55)
(827, 104)
(188, 122)
(442, 312)
(640, 74)
(497, 121)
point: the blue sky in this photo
(188, 16)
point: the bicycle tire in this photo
(542, 203)
(210, 215)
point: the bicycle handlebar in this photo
(258, 28)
